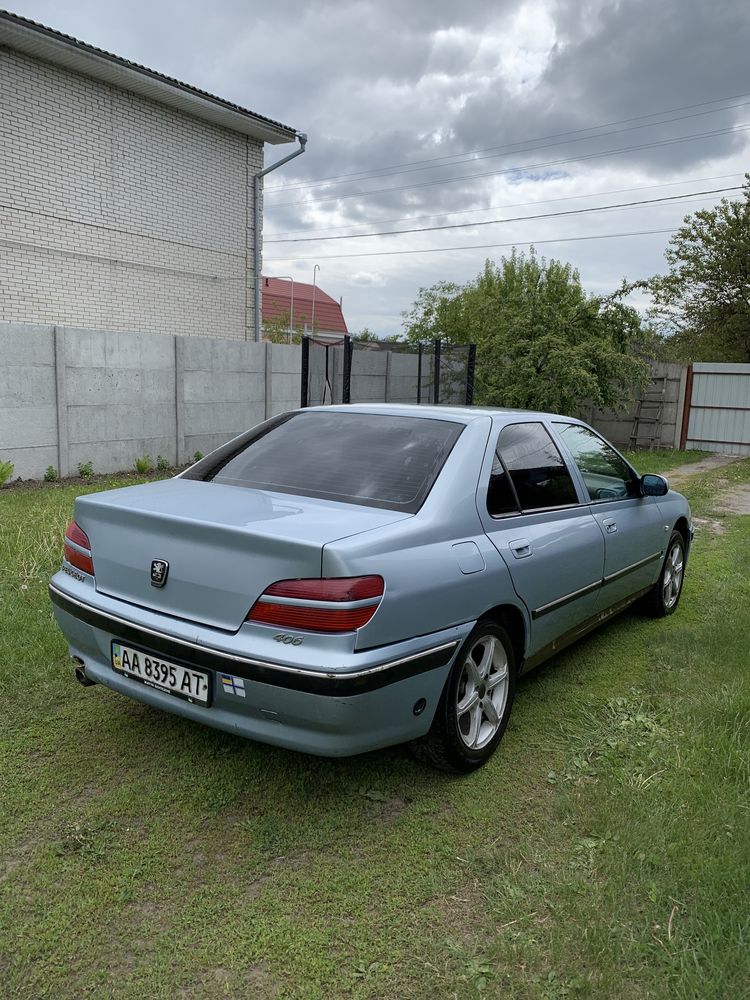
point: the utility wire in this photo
(480, 246)
(492, 152)
(517, 218)
(493, 208)
(554, 135)
(527, 166)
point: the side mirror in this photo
(654, 486)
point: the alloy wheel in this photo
(672, 579)
(482, 692)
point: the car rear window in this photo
(377, 459)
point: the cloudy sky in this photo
(430, 113)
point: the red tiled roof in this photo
(277, 300)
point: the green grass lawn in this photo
(662, 460)
(603, 852)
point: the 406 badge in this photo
(287, 639)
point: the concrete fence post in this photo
(179, 400)
(61, 400)
(387, 387)
(269, 380)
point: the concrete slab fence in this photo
(69, 395)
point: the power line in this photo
(492, 152)
(554, 135)
(491, 208)
(479, 246)
(527, 166)
(517, 218)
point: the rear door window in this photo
(378, 460)
(501, 497)
(533, 469)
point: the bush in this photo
(85, 470)
(6, 471)
(197, 456)
(162, 463)
(143, 464)
(51, 475)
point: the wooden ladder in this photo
(649, 411)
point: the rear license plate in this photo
(184, 682)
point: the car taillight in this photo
(78, 553)
(340, 604)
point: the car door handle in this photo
(520, 547)
(610, 524)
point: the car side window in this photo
(605, 475)
(536, 471)
(501, 498)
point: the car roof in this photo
(458, 414)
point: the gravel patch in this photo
(736, 501)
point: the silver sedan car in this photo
(344, 578)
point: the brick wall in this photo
(120, 213)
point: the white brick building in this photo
(126, 198)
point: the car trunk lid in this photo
(224, 545)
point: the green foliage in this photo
(85, 470)
(542, 343)
(51, 475)
(197, 456)
(369, 335)
(162, 463)
(702, 304)
(366, 334)
(143, 464)
(276, 330)
(6, 471)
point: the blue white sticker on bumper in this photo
(233, 685)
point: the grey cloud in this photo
(630, 59)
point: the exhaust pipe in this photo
(80, 672)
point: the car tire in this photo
(475, 705)
(664, 596)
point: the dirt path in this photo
(734, 501)
(707, 464)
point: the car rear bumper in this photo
(363, 701)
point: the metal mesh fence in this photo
(325, 371)
(364, 371)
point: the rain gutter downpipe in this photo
(302, 139)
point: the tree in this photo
(276, 330)
(366, 334)
(702, 304)
(371, 337)
(542, 342)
